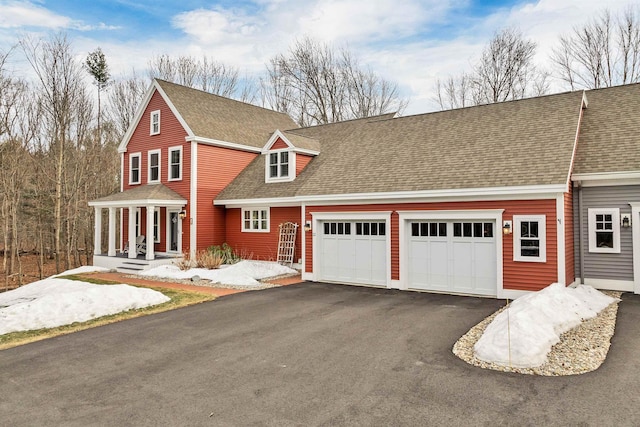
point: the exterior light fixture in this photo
(307, 226)
(182, 214)
(506, 227)
(626, 220)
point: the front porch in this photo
(152, 234)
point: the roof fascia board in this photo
(608, 176)
(143, 106)
(223, 144)
(138, 202)
(274, 137)
(583, 105)
(497, 193)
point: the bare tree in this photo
(63, 99)
(205, 74)
(124, 98)
(604, 52)
(505, 71)
(316, 84)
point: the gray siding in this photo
(605, 266)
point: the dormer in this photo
(286, 155)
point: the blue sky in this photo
(412, 42)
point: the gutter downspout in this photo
(580, 233)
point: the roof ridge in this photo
(221, 97)
(369, 119)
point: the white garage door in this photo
(353, 252)
(453, 256)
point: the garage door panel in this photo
(455, 256)
(353, 252)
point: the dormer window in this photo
(155, 122)
(279, 165)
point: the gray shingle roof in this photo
(610, 131)
(517, 143)
(215, 117)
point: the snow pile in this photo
(245, 273)
(82, 269)
(535, 322)
(55, 302)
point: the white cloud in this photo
(18, 14)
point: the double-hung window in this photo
(529, 240)
(279, 164)
(154, 166)
(604, 230)
(134, 168)
(175, 163)
(155, 123)
(256, 219)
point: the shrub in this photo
(185, 262)
(225, 252)
(208, 259)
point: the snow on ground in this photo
(55, 302)
(245, 273)
(535, 321)
(82, 269)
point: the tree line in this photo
(59, 132)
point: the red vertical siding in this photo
(279, 144)
(172, 134)
(262, 246)
(217, 167)
(570, 275)
(516, 275)
(301, 162)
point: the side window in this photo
(255, 220)
(175, 163)
(155, 122)
(154, 166)
(604, 230)
(156, 226)
(134, 168)
(529, 238)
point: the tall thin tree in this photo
(96, 65)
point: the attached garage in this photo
(452, 252)
(352, 248)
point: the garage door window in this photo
(433, 229)
(339, 228)
(370, 228)
(472, 229)
(529, 240)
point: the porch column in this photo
(112, 232)
(132, 232)
(97, 231)
(150, 238)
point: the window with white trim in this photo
(604, 230)
(134, 168)
(175, 163)
(156, 226)
(279, 164)
(155, 122)
(154, 166)
(256, 219)
(529, 238)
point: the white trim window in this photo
(604, 230)
(280, 166)
(154, 166)
(156, 226)
(154, 122)
(175, 163)
(255, 220)
(530, 238)
(135, 167)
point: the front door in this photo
(173, 231)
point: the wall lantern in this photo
(506, 227)
(307, 226)
(182, 214)
(625, 220)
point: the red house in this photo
(473, 201)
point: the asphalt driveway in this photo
(308, 354)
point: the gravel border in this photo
(580, 350)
